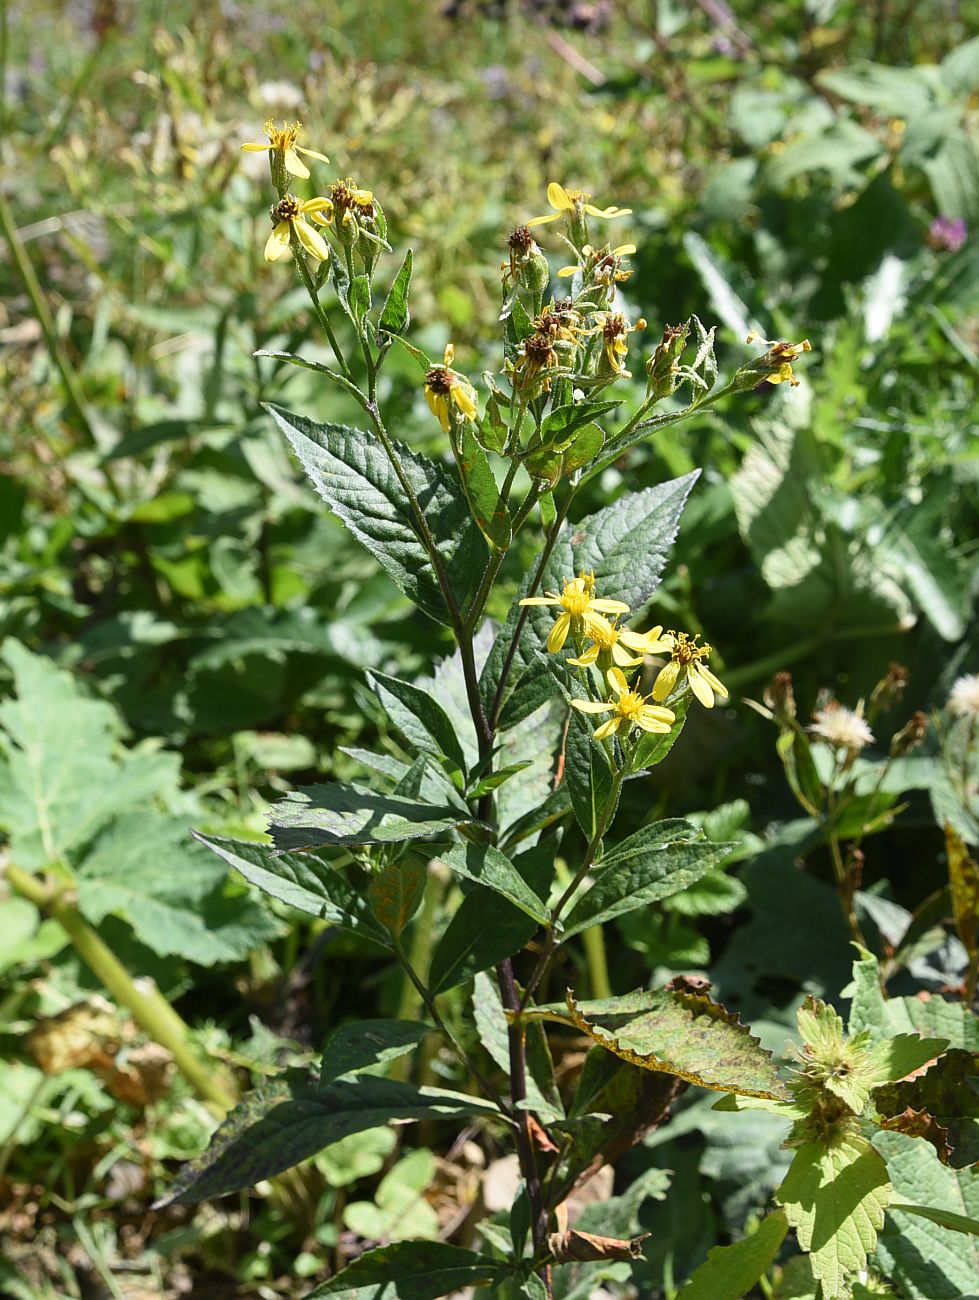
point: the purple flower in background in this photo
(948, 233)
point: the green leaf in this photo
(395, 315)
(926, 566)
(898, 92)
(62, 776)
(366, 1043)
(485, 929)
(360, 299)
(292, 1117)
(481, 490)
(927, 1259)
(147, 870)
(353, 814)
(896, 1058)
(885, 1017)
(419, 717)
(305, 881)
(587, 773)
(487, 866)
(626, 543)
(652, 748)
(491, 1025)
(657, 861)
(410, 1270)
(963, 879)
(399, 1210)
(729, 1272)
(944, 1218)
(352, 472)
(685, 1034)
(835, 1195)
(396, 893)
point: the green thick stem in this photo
(148, 1007)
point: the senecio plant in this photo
(521, 747)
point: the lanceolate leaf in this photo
(653, 748)
(626, 543)
(729, 1272)
(394, 316)
(481, 489)
(587, 773)
(364, 1043)
(487, 866)
(293, 1117)
(410, 1270)
(396, 893)
(419, 717)
(306, 881)
(352, 472)
(485, 928)
(656, 862)
(835, 1195)
(685, 1034)
(353, 814)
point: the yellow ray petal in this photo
(665, 681)
(590, 706)
(278, 242)
(559, 633)
(699, 687)
(295, 165)
(608, 728)
(312, 240)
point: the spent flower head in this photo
(842, 728)
(448, 392)
(615, 329)
(963, 698)
(687, 659)
(284, 152)
(773, 366)
(628, 708)
(581, 612)
(288, 219)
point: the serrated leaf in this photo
(396, 893)
(487, 866)
(898, 1058)
(305, 881)
(62, 775)
(147, 870)
(394, 316)
(352, 473)
(729, 1272)
(587, 773)
(835, 1195)
(419, 718)
(352, 814)
(293, 1117)
(681, 1033)
(657, 861)
(885, 1017)
(485, 929)
(366, 1043)
(626, 543)
(928, 1260)
(410, 1270)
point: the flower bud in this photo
(663, 366)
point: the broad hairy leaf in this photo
(419, 717)
(146, 869)
(729, 1272)
(62, 774)
(352, 814)
(626, 544)
(366, 1043)
(682, 1033)
(657, 861)
(352, 473)
(410, 1270)
(305, 881)
(835, 1195)
(485, 928)
(928, 1259)
(292, 1117)
(487, 866)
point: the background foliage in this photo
(186, 632)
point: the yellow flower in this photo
(577, 602)
(287, 217)
(615, 330)
(628, 707)
(777, 361)
(284, 144)
(574, 202)
(686, 655)
(613, 639)
(445, 388)
(347, 202)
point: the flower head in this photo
(628, 708)
(446, 389)
(775, 366)
(686, 656)
(602, 266)
(536, 358)
(963, 699)
(288, 219)
(580, 610)
(948, 234)
(842, 728)
(574, 202)
(285, 152)
(616, 642)
(615, 330)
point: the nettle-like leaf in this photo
(352, 814)
(652, 864)
(352, 473)
(682, 1033)
(885, 1017)
(292, 1117)
(835, 1195)
(63, 776)
(147, 870)
(410, 1270)
(306, 881)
